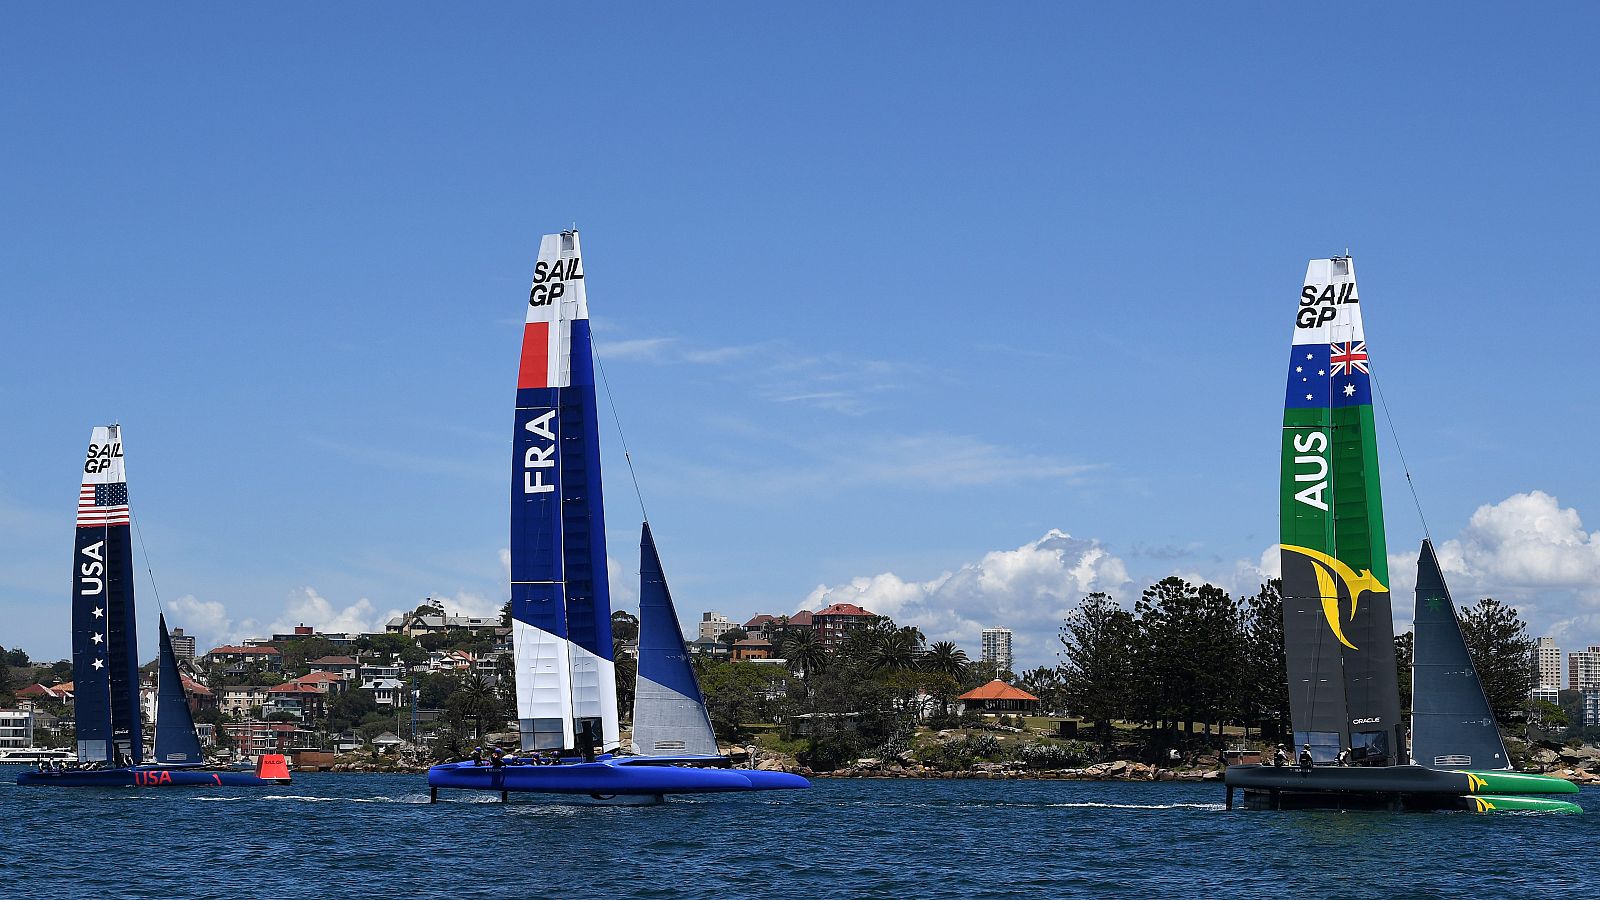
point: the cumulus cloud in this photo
(307, 607)
(1028, 590)
(207, 620)
(1527, 550)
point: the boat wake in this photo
(1090, 804)
(306, 798)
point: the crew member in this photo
(1280, 757)
(1306, 762)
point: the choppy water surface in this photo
(332, 835)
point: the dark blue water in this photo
(350, 836)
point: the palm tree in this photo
(945, 658)
(477, 699)
(894, 650)
(804, 651)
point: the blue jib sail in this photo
(1452, 725)
(669, 713)
(176, 742)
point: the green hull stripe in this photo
(1518, 783)
(1506, 803)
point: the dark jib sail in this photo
(1338, 631)
(176, 741)
(1452, 725)
(105, 666)
(669, 712)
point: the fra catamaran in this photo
(105, 656)
(560, 593)
(1337, 625)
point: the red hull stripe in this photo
(535, 372)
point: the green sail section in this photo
(1338, 625)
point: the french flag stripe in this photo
(535, 371)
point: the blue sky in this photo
(891, 300)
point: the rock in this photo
(1166, 775)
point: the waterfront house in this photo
(240, 699)
(238, 660)
(16, 729)
(387, 742)
(751, 648)
(60, 693)
(343, 666)
(299, 700)
(323, 682)
(999, 697)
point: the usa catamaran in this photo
(1338, 630)
(560, 594)
(105, 657)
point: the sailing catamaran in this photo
(105, 666)
(560, 593)
(1338, 629)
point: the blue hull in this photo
(613, 777)
(143, 776)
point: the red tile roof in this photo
(844, 609)
(293, 688)
(801, 618)
(332, 661)
(997, 690)
(760, 620)
(752, 642)
(319, 678)
(195, 687)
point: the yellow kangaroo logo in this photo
(1482, 805)
(1327, 567)
(1474, 783)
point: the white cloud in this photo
(1029, 590)
(1526, 550)
(306, 607)
(207, 620)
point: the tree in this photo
(16, 657)
(945, 658)
(6, 686)
(1193, 652)
(624, 626)
(1497, 640)
(627, 670)
(1266, 697)
(1097, 667)
(476, 700)
(1046, 684)
(894, 651)
(1404, 653)
(732, 636)
(805, 651)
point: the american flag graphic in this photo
(103, 504)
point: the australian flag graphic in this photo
(1328, 375)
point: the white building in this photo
(714, 625)
(16, 728)
(1549, 659)
(1583, 669)
(997, 648)
(1591, 706)
(182, 644)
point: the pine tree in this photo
(1097, 668)
(1498, 642)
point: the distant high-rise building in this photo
(1549, 657)
(182, 644)
(1583, 670)
(997, 648)
(714, 625)
(1591, 706)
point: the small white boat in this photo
(33, 756)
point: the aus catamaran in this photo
(1338, 629)
(560, 593)
(105, 656)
